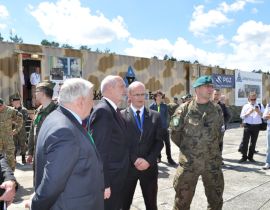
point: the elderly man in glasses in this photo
(251, 115)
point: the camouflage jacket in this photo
(198, 135)
(40, 116)
(11, 122)
(24, 113)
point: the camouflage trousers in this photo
(185, 183)
(7, 148)
(20, 141)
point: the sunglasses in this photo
(253, 99)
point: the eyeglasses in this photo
(139, 95)
(253, 99)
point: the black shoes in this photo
(245, 159)
(171, 162)
(242, 160)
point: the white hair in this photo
(133, 85)
(108, 81)
(73, 89)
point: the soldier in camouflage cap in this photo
(196, 129)
(11, 122)
(44, 93)
(21, 137)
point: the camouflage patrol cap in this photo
(14, 97)
(46, 84)
(203, 80)
(2, 101)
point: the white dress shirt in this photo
(35, 78)
(254, 118)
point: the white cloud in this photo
(201, 21)
(234, 7)
(220, 40)
(254, 11)
(3, 14)
(68, 22)
(250, 49)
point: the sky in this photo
(233, 34)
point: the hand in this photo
(141, 164)
(107, 193)
(10, 191)
(27, 203)
(29, 159)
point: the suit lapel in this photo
(146, 119)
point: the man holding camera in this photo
(251, 115)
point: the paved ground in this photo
(247, 186)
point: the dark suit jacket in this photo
(147, 144)
(68, 167)
(111, 140)
(6, 174)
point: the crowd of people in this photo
(88, 156)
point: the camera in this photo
(256, 107)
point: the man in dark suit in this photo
(109, 131)
(68, 167)
(162, 108)
(7, 182)
(143, 127)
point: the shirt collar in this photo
(111, 103)
(75, 115)
(134, 109)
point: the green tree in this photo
(166, 57)
(15, 38)
(67, 46)
(1, 38)
(45, 42)
(55, 44)
(85, 47)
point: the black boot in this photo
(23, 159)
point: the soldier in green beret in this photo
(44, 93)
(20, 138)
(11, 122)
(196, 128)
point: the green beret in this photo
(46, 84)
(203, 80)
(2, 101)
(14, 97)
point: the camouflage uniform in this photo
(171, 109)
(21, 137)
(11, 122)
(40, 116)
(196, 130)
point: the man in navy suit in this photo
(69, 172)
(143, 127)
(109, 131)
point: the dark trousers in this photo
(148, 182)
(166, 138)
(251, 133)
(114, 202)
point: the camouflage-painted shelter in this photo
(17, 62)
